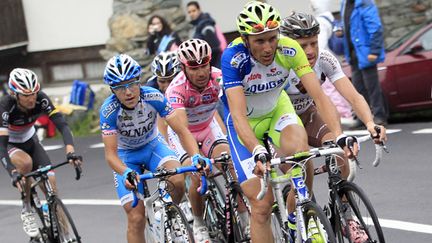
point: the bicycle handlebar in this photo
(162, 172)
(320, 152)
(46, 169)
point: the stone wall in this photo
(401, 16)
(128, 26)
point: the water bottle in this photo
(46, 215)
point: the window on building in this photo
(64, 72)
(94, 70)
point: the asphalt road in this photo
(400, 190)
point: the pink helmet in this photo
(194, 53)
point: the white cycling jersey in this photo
(327, 66)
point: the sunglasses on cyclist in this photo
(123, 87)
(260, 28)
(198, 63)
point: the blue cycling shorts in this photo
(149, 157)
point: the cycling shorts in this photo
(209, 137)
(149, 157)
(34, 149)
(314, 125)
(274, 122)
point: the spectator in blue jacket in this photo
(205, 29)
(364, 49)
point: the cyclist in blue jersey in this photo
(132, 141)
(255, 68)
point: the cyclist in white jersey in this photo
(132, 141)
(304, 28)
(255, 68)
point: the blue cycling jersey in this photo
(134, 127)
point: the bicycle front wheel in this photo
(317, 225)
(177, 228)
(357, 217)
(64, 229)
(280, 232)
(214, 212)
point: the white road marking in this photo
(98, 145)
(386, 223)
(52, 147)
(104, 202)
(423, 131)
(407, 226)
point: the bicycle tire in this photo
(214, 212)
(177, 228)
(236, 227)
(363, 214)
(62, 223)
(280, 232)
(312, 211)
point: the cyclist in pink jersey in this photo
(194, 95)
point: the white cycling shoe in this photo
(29, 224)
(201, 234)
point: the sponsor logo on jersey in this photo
(264, 87)
(105, 126)
(254, 76)
(298, 68)
(238, 59)
(274, 73)
(5, 116)
(110, 108)
(137, 132)
(207, 97)
(288, 51)
(176, 100)
(191, 100)
(153, 96)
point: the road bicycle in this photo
(350, 211)
(221, 213)
(54, 220)
(312, 224)
(166, 221)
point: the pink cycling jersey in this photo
(200, 106)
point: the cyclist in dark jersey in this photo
(20, 149)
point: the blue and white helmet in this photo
(165, 65)
(121, 68)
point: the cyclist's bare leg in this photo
(341, 161)
(23, 163)
(136, 222)
(260, 211)
(298, 134)
(217, 151)
(177, 181)
(195, 198)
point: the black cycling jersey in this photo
(20, 124)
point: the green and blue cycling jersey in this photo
(268, 107)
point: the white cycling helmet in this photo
(165, 65)
(194, 52)
(23, 81)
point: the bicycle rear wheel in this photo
(357, 218)
(64, 230)
(214, 211)
(316, 224)
(238, 229)
(177, 228)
